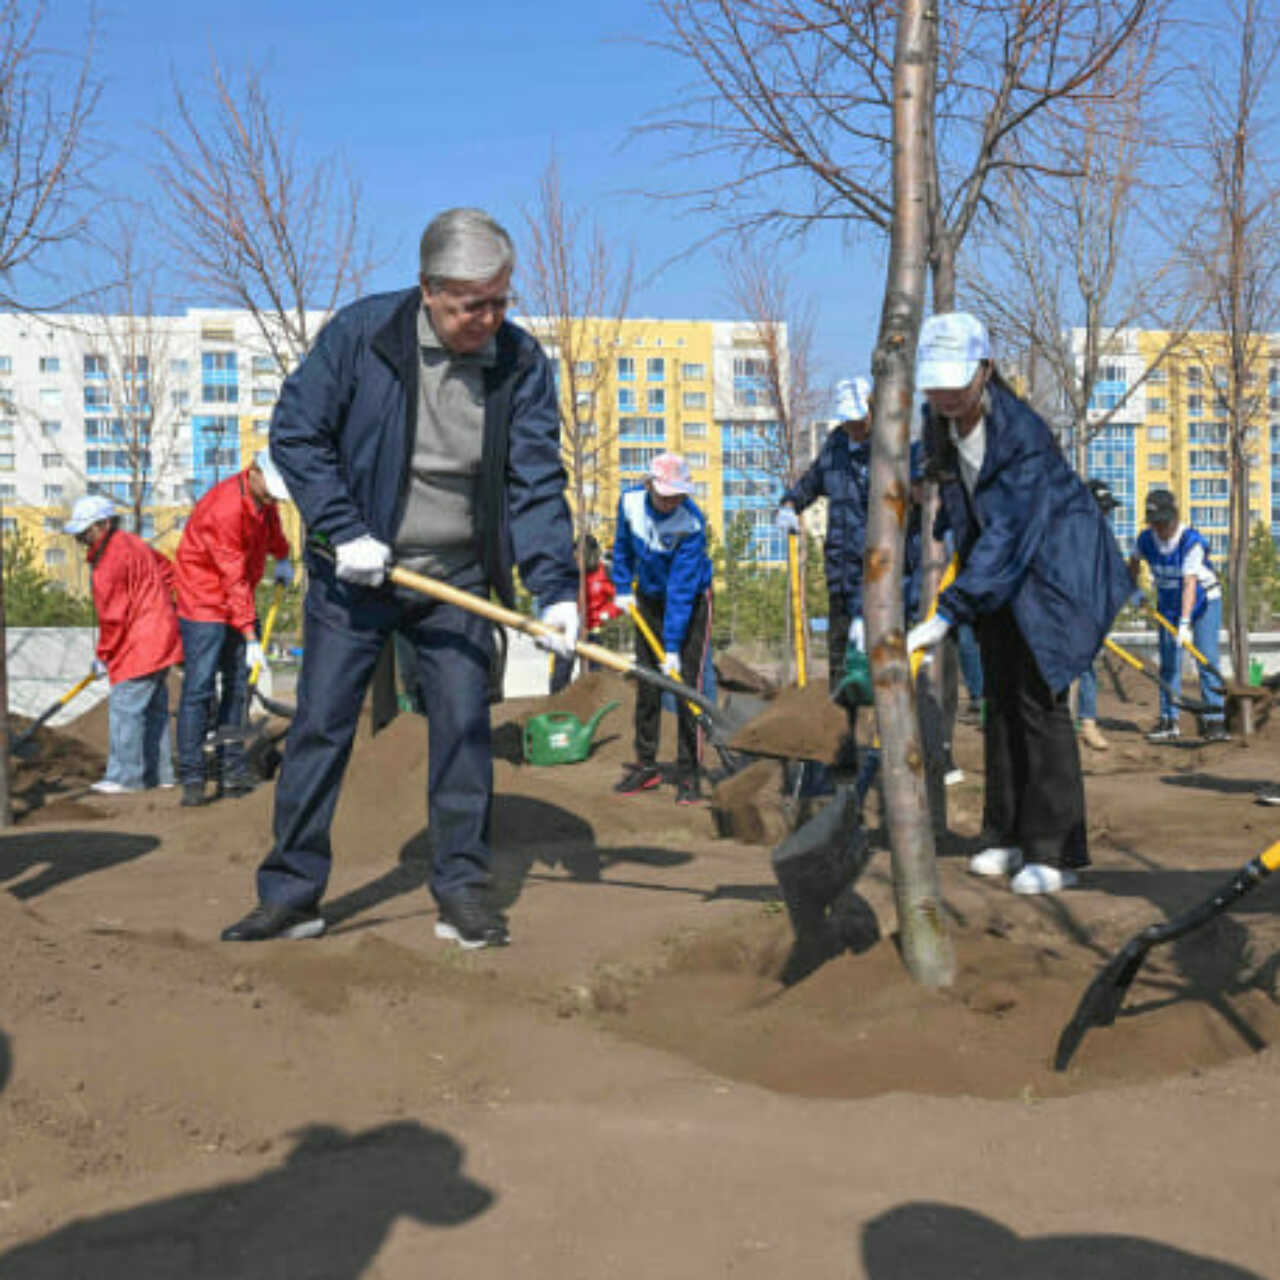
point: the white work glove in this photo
(625, 603)
(99, 668)
(563, 617)
(671, 665)
(924, 635)
(284, 573)
(253, 655)
(363, 560)
(1184, 633)
(858, 634)
(787, 520)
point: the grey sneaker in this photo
(1166, 730)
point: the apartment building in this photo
(1171, 432)
(155, 411)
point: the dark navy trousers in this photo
(346, 628)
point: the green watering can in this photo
(559, 737)
(856, 685)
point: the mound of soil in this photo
(748, 806)
(798, 724)
(734, 674)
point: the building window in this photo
(179, 399)
(148, 529)
(1158, 461)
(219, 378)
(97, 397)
(53, 493)
(700, 489)
(695, 430)
(1195, 376)
(630, 429)
(1157, 434)
(1157, 404)
(262, 425)
(50, 364)
(584, 369)
(53, 524)
(657, 400)
(633, 460)
(6, 428)
(55, 556)
(8, 490)
(626, 369)
(180, 368)
(696, 459)
(693, 372)
(655, 369)
(694, 399)
(95, 367)
(1195, 405)
(626, 400)
(8, 525)
(264, 365)
(264, 395)
(6, 364)
(6, 461)
(51, 461)
(1158, 377)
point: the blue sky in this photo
(435, 104)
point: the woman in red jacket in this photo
(138, 642)
(600, 608)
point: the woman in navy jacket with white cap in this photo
(1041, 578)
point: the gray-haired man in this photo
(422, 428)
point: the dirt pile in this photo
(798, 724)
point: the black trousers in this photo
(693, 655)
(1034, 787)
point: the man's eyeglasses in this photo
(474, 306)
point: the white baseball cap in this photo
(89, 510)
(952, 345)
(853, 399)
(276, 486)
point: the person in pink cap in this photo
(661, 568)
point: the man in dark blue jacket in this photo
(840, 473)
(422, 428)
(1040, 576)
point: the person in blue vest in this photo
(1189, 597)
(661, 569)
(841, 473)
(1041, 579)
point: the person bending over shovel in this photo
(1040, 576)
(662, 570)
(138, 642)
(219, 564)
(422, 427)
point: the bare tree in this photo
(253, 223)
(1235, 256)
(577, 297)
(783, 328)
(926, 947)
(46, 158)
(1064, 277)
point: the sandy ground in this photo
(629, 1090)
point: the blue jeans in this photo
(346, 628)
(1087, 694)
(1204, 635)
(211, 649)
(138, 732)
(970, 661)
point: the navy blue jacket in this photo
(841, 471)
(343, 434)
(1033, 538)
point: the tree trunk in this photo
(6, 805)
(926, 946)
(1238, 566)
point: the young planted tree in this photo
(577, 295)
(46, 161)
(254, 224)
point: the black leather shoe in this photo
(275, 921)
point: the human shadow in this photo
(929, 1241)
(64, 855)
(524, 833)
(325, 1212)
(6, 1060)
(1213, 782)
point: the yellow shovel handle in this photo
(643, 627)
(1270, 858)
(267, 627)
(948, 577)
(797, 612)
(1173, 631)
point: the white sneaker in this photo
(999, 860)
(1036, 877)
(105, 787)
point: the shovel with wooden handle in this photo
(22, 746)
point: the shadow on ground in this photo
(64, 855)
(325, 1212)
(943, 1242)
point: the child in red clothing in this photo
(600, 608)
